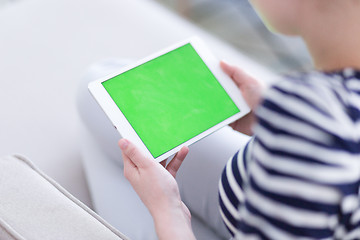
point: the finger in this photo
(227, 68)
(176, 162)
(129, 168)
(237, 75)
(234, 72)
(129, 150)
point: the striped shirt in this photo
(299, 176)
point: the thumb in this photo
(131, 152)
(240, 78)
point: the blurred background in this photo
(235, 22)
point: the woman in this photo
(298, 178)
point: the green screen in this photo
(170, 99)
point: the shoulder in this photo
(296, 94)
(306, 104)
(304, 116)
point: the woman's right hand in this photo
(251, 90)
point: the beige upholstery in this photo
(32, 206)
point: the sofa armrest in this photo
(33, 206)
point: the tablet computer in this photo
(170, 99)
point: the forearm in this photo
(174, 224)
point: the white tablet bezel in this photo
(124, 127)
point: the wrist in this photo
(173, 222)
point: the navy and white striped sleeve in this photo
(231, 186)
(299, 177)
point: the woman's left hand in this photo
(157, 188)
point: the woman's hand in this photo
(251, 90)
(156, 186)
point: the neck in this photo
(333, 38)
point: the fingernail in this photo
(123, 143)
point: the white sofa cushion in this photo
(33, 206)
